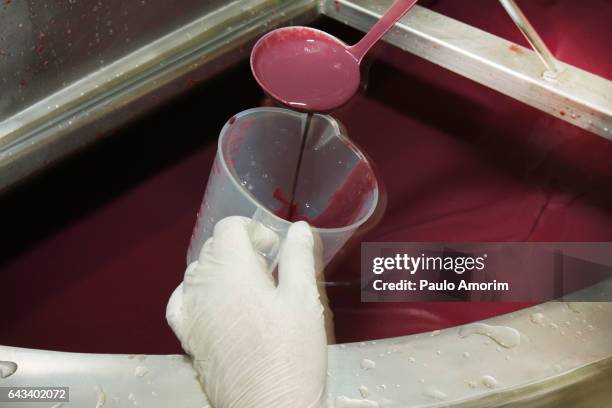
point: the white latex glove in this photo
(254, 344)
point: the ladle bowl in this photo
(310, 70)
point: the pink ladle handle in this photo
(388, 20)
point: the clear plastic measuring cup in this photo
(253, 175)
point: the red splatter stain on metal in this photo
(562, 113)
(23, 83)
(516, 49)
(232, 120)
(337, 3)
(41, 42)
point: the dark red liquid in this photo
(344, 206)
(108, 246)
(305, 69)
(287, 210)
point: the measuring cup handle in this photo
(279, 227)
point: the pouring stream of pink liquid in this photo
(345, 204)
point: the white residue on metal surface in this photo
(367, 364)
(502, 335)
(435, 393)
(7, 368)
(489, 381)
(140, 371)
(537, 318)
(346, 402)
(101, 396)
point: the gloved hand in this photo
(254, 344)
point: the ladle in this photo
(313, 71)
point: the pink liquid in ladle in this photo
(310, 70)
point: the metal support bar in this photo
(551, 367)
(532, 36)
(575, 96)
(117, 92)
(40, 130)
